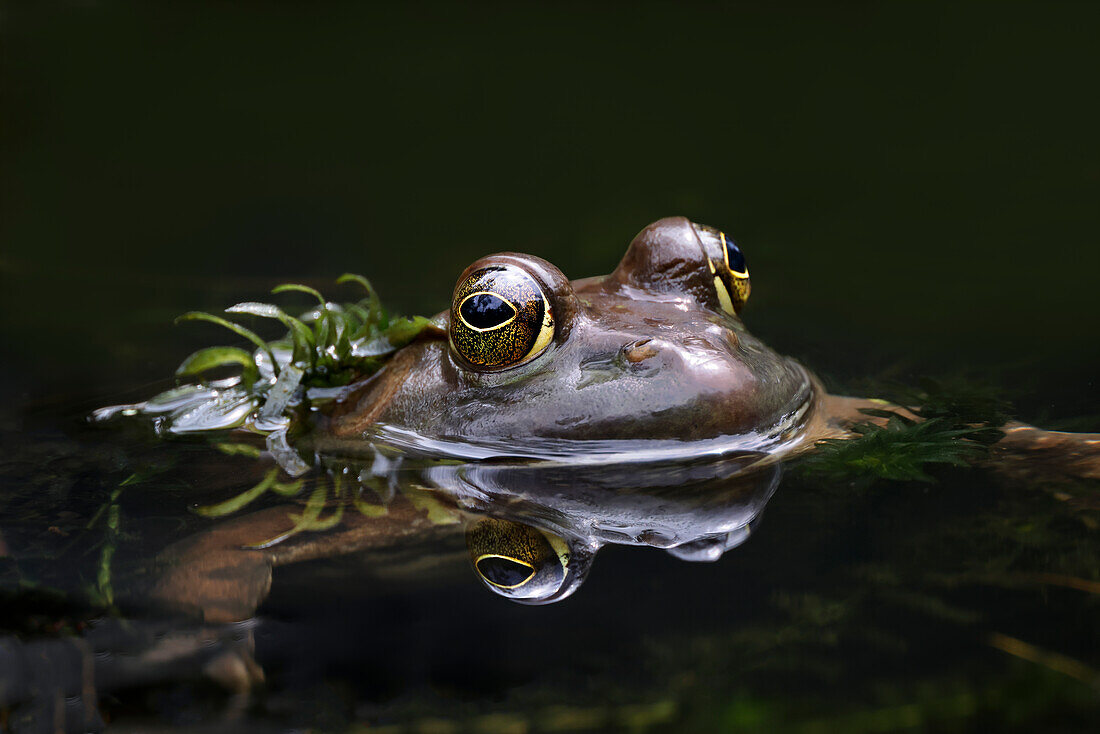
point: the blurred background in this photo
(915, 186)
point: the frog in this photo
(553, 416)
(655, 352)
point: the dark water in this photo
(915, 188)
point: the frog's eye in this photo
(517, 560)
(727, 266)
(500, 317)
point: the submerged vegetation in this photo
(899, 450)
(953, 423)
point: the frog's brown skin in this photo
(644, 353)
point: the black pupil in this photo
(484, 311)
(736, 257)
(504, 571)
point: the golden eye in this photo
(500, 317)
(727, 265)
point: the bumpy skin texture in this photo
(644, 353)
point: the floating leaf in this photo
(286, 456)
(235, 328)
(400, 333)
(320, 352)
(211, 357)
(372, 314)
(300, 334)
(282, 391)
(355, 278)
(223, 410)
(404, 330)
(301, 289)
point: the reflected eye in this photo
(727, 266)
(502, 571)
(500, 317)
(517, 560)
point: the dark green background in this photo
(913, 184)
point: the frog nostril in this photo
(639, 350)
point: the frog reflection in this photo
(547, 561)
(533, 528)
(519, 561)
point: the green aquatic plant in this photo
(959, 403)
(321, 352)
(944, 421)
(899, 450)
(327, 347)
